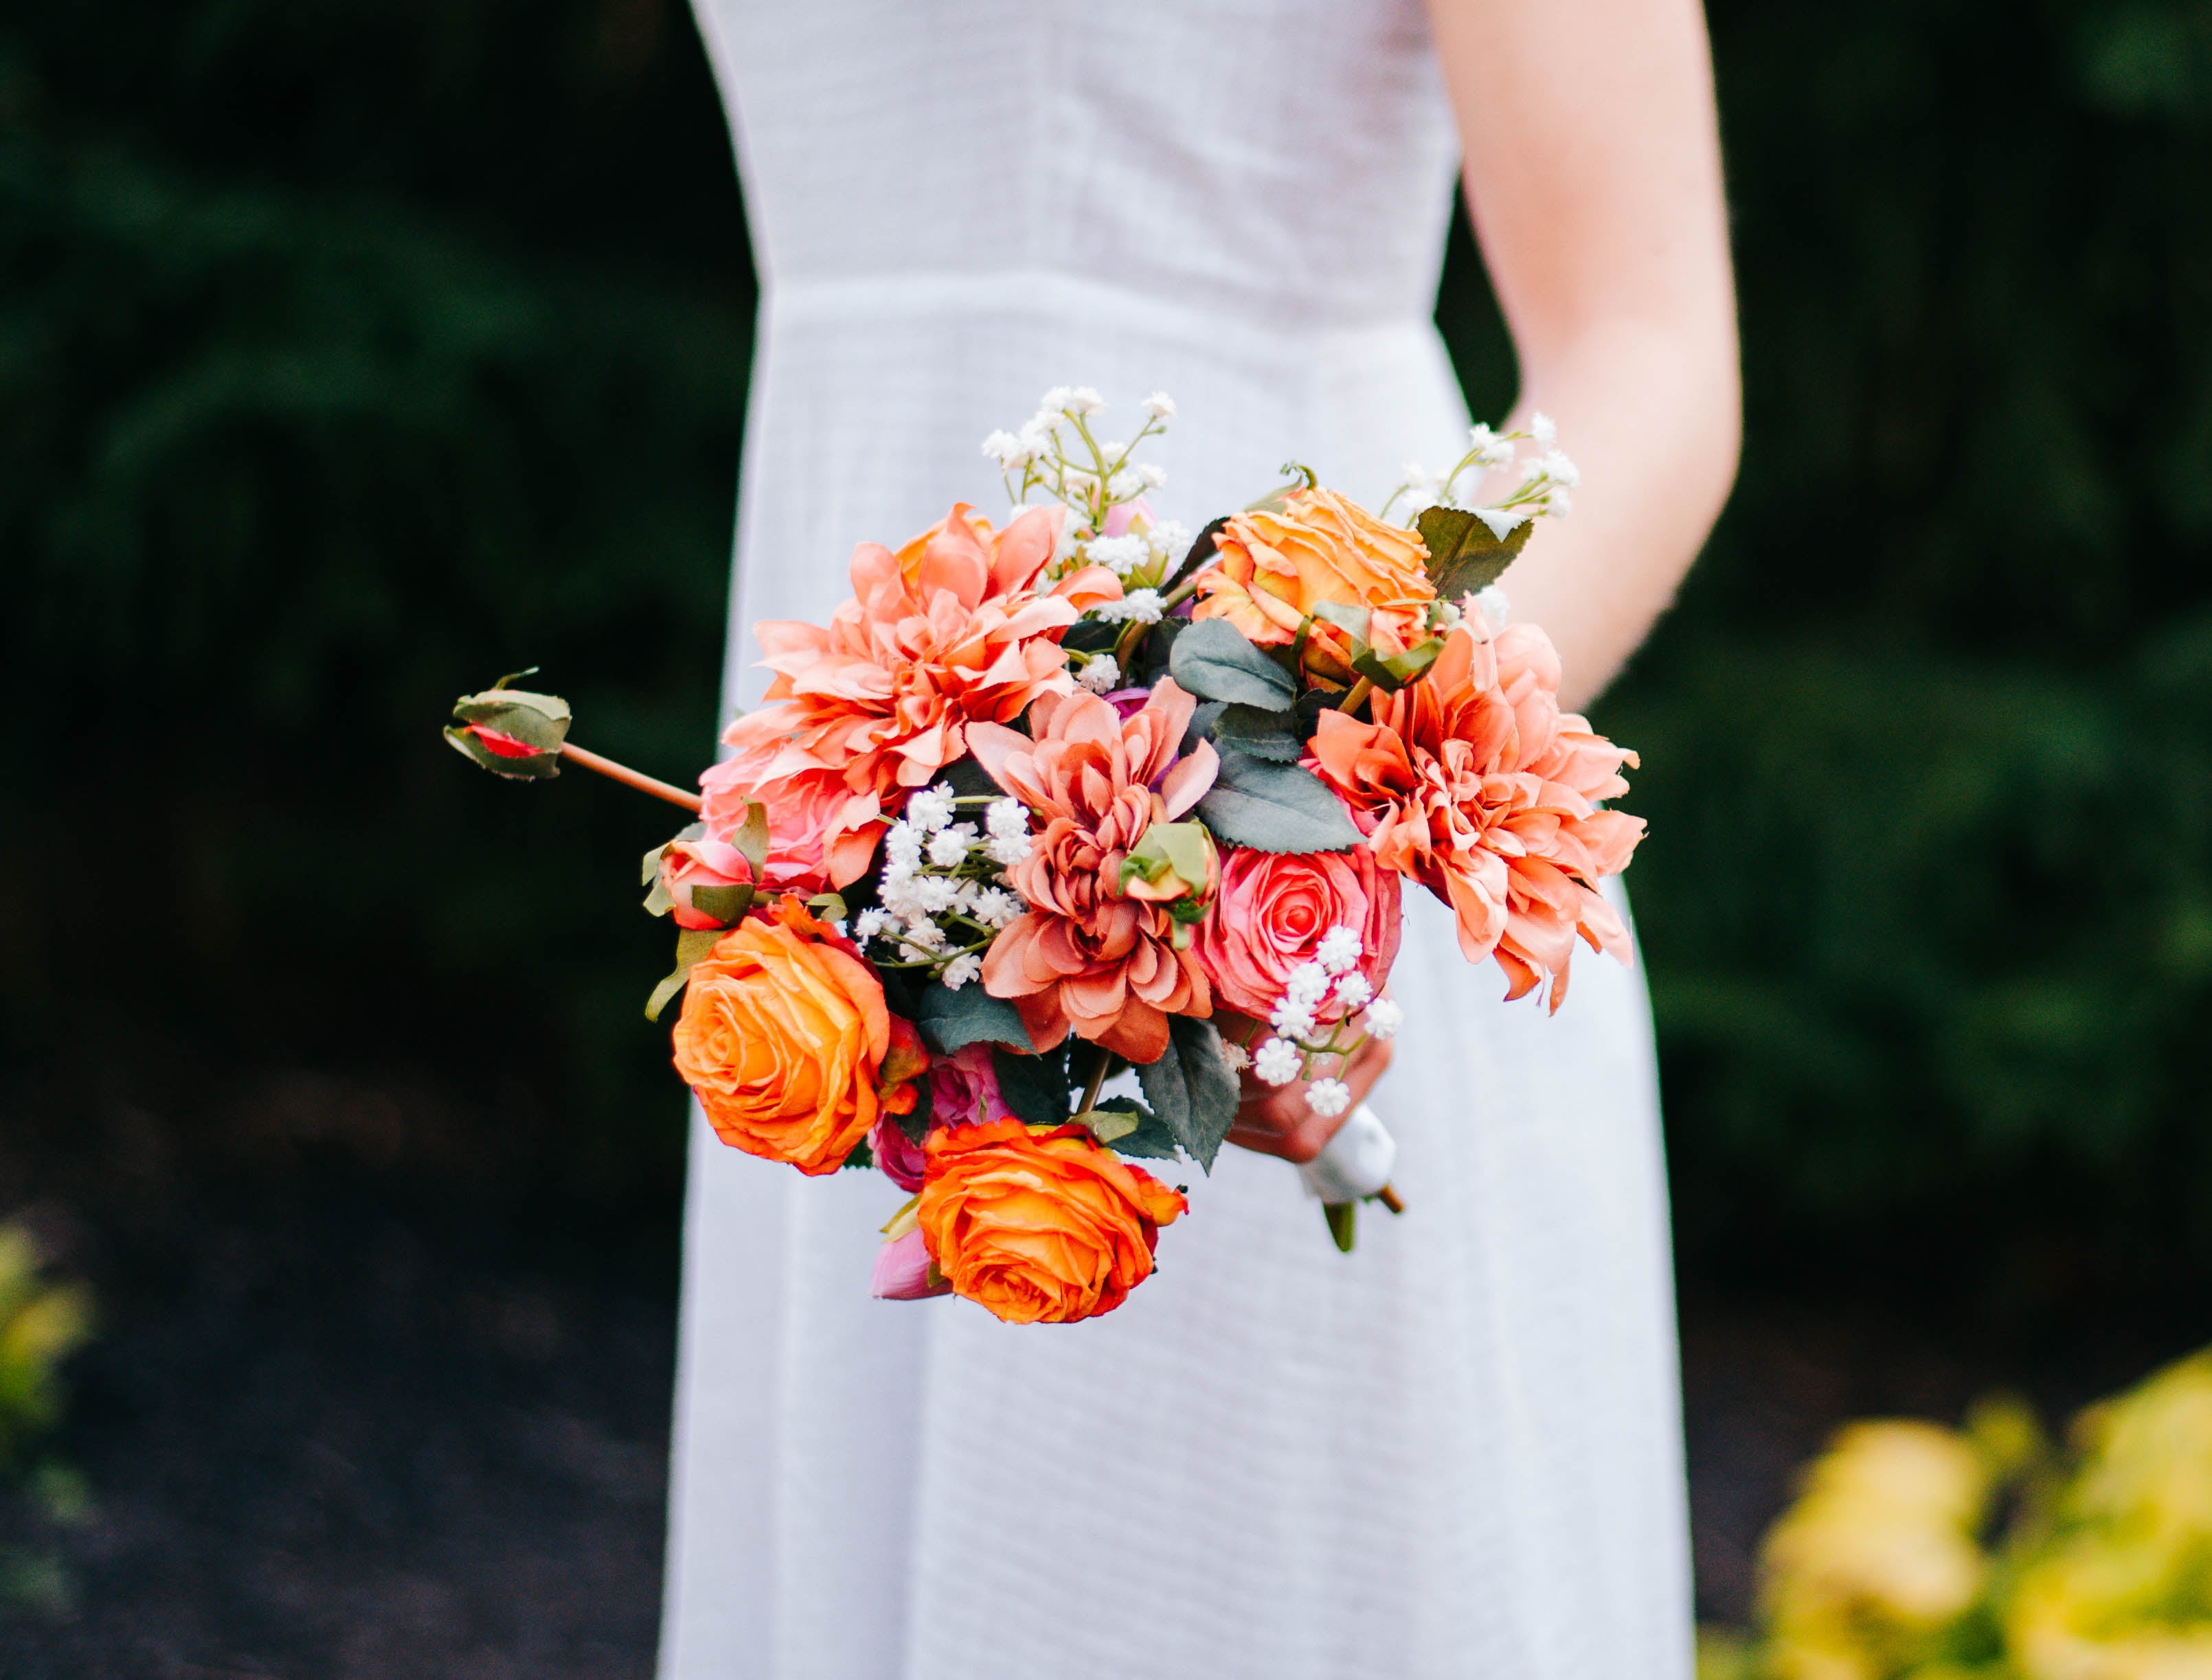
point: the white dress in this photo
(1455, 1452)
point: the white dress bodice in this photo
(1453, 1453)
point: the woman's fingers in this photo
(1276, 1119)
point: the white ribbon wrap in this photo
(1357, 1162)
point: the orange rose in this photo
(783, 1038)
(1275, 568)
(1040, 1224)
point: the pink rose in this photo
(688, 864)
(903, 1270)
(820, 835)
(1270, 915)
(963, 1090)
(899, 1155)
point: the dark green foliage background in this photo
(353, 354)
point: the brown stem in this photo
(1097, 1078)
(628, 777)
(1390, 1199)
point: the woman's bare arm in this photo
(1593, 171)
(1594, 175)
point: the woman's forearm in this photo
(1653, 424)
(1594, 178)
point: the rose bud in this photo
(699, 882)
(510, 732)
(1171, 861)
(904, 1271)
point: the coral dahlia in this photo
(1086, 956)
(1474, 783)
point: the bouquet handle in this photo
(1354, 1167)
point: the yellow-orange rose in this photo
(1275, 568)
(1040, 1224)
(783, 1037)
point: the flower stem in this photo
(1358, 696)
(1097, 1079)
(628, 777)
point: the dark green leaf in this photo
(1192, 1089)
(970, 780)
(952, 1020)
(862, 1155)
(915, 1123)
(1270, 734)
(1150, 1139)
(1155, 653)
(1274, 808)
(1034, 1086)
(1200, 551)
(1464, 554)
(1214, 660)
(1090, 635)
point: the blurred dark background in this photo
(352, 354)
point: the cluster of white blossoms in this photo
(943, 893)
(1331, 974)
(1546, 478)
(1058, 451)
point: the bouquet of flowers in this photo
(1076, 792)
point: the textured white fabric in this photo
(1454, 1453)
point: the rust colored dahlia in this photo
(1084, 956)
(1474, 783)
(956, 628)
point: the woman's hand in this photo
(1273, 1119)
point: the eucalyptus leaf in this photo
(1192, 1089)
(1274, 808)
(952, 1020)
(1214, 660)
(1034, 1086)
(1264, 734)
(1464, 554)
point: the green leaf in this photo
(825, 906)
(862, 1155)
(1354, 621)
(726, 905)
(1192, 1089)
(1034, 1086)
(1393, 673)
(751, 839)
(692, 945)
(1201, 550)
(1264, 734)
(1148, 1138)
(915, 1123)
(1343, 1223)
(969, 781)
(1464, 554)
(952, 1020)
(515, 769)
(1107, 1124)
(1215, 660)
(1274, 808)
(539, 720)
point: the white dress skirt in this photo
(1455, 1452)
